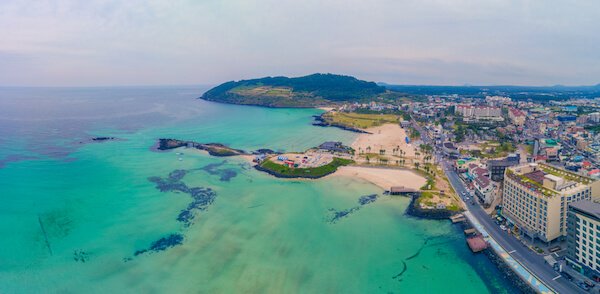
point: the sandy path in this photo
(383, 177)
(387, 137)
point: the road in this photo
(532, 261)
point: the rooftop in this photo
(532, 176)
(587, 207)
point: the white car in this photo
(503, 227)
(467, 198)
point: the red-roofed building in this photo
(485, 189)
(517, 116)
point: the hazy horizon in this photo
(135, 43)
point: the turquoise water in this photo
(74, 213)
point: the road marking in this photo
(556, 254)
(555, 278)
(511, 252)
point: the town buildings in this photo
(536, 196)
(516, 116)
(479, 112)
(497, 167)
(485, 189)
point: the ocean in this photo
(79, 215)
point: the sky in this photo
(204, 42)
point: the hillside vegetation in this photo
(308, 91)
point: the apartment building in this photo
(516, 116)
(583, 237)
(479, 112)
(536, 197)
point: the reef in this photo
(80, 256)
(100, 140)
(225, 174)
(336, 215)
(162, 244)
(202, 197)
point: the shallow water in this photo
(75, 213)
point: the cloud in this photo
(72, 42)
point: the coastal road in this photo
(532, 261)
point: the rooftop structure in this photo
(536, 197)
(333, 147)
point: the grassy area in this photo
(497, 150)
(315, 172)
(264, 90)
(570, 176)
(360, 120)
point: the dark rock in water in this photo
(201, 197)
(103, 138)
(336, 215)
(162, 244)
(177, 175)
(100, 140)
(367, 199)
(80, 256)
(225, 173)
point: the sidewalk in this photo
(523, 272)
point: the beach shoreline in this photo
(385, 178)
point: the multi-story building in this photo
(516, 116)
(583, 237)
(479, 112)
(497, 167)
(484, 188)
(536, 197)
(594, 117)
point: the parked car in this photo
(503, 227)
(583, 286)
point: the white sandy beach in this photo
(387, 137)
(383, 177)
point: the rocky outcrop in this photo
(415, 210)
(214, 149)
(321, 122)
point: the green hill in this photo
(308, 91)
